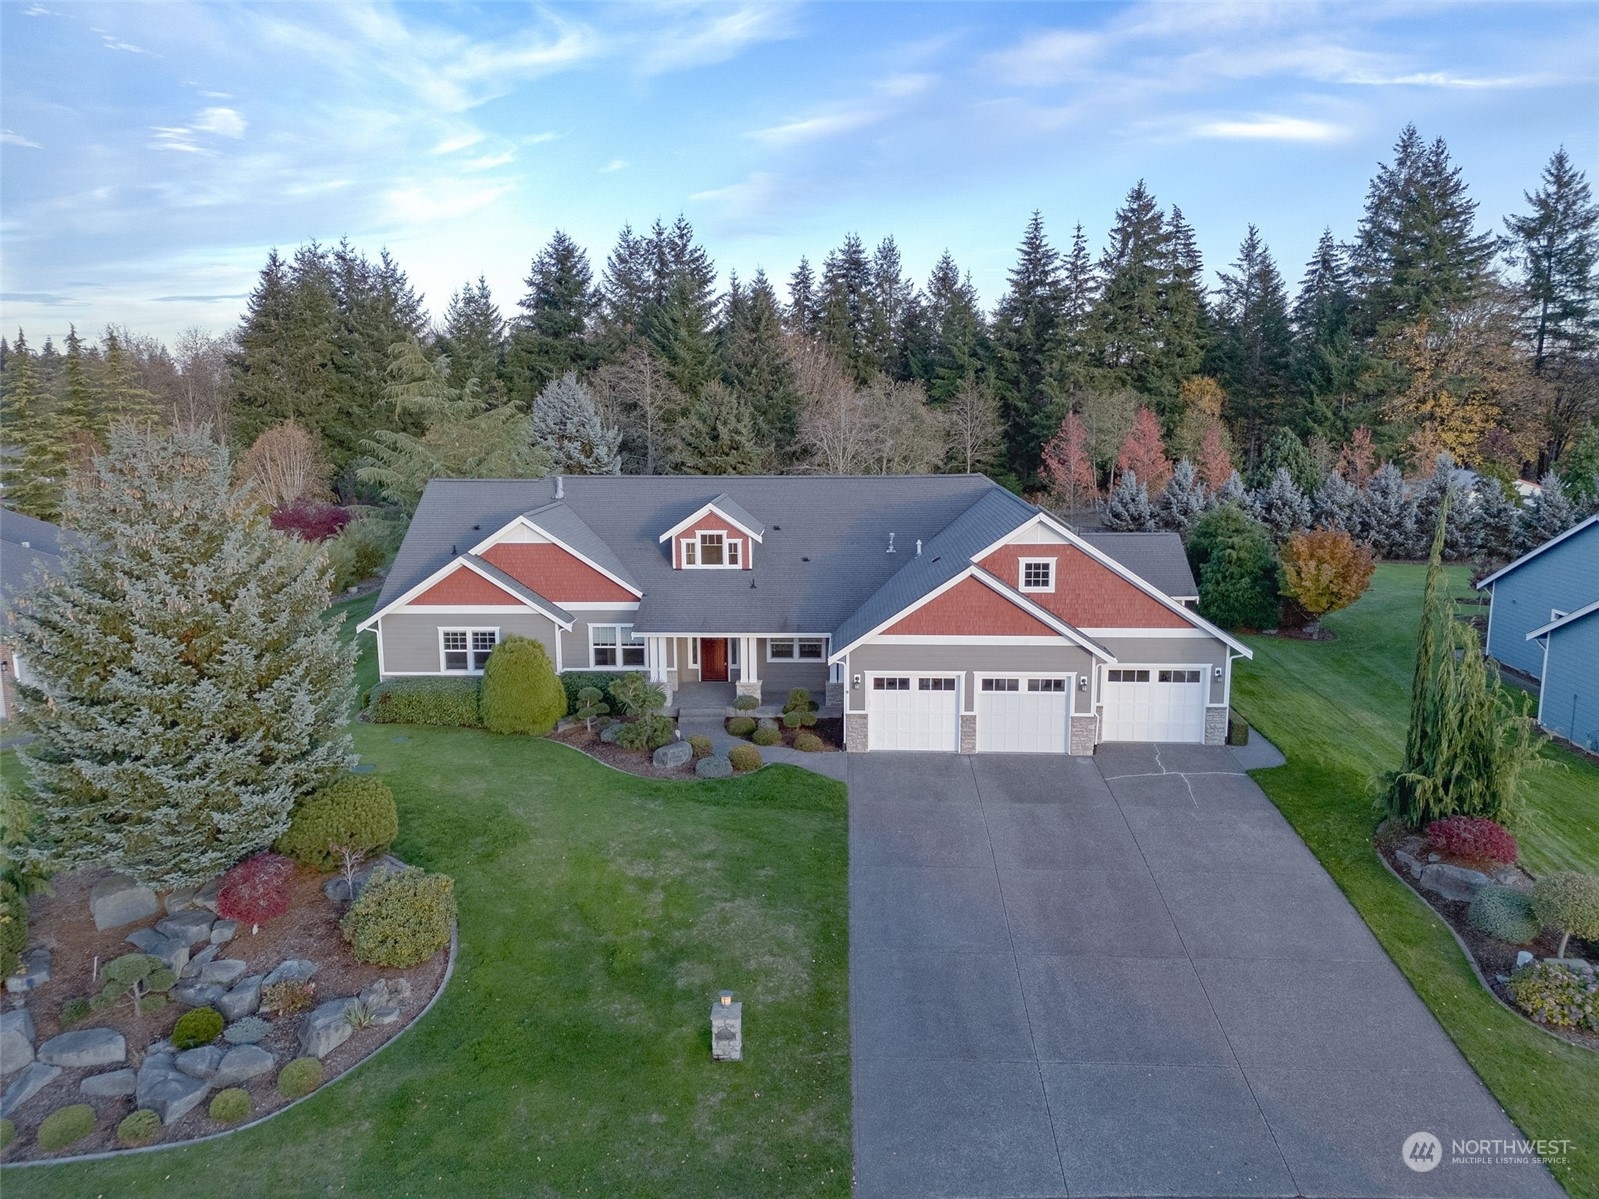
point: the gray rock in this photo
(173, 952)
(224, 972)
(16, 1040)
(295, 968)
(1409, 861)
(160, 1059)
(192, 926)
(35, 972)
(610, 732)
(243, 999)
(1432, 857)
(201, 1062)
(241, 1063)
(146, 940)
(673, 754)
(1453, 882)
(224, 931)
(198, 961)
(34, 1078)
(171, 1094)
(116, 901)
(206, 896)
(387, 992)
(325, 1029)
(714, 767)
(1524, 958)
(85, 1047)
(104, 1086)
(179, 900)
(1580, 965)
(198, 994)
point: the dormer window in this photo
(712, 550)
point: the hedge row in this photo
(452, 702)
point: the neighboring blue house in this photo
(1554, 580)
(1568, 699)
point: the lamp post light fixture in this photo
(727, 1029)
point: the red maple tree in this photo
(1359, 458)
(1144, 453)
(1215, 463)
(1069, 466)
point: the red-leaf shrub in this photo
(256, 890)
(1473, 839)
(310, 520)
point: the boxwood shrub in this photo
(139, 1128)
(401, 919)
(449, 702)
(8, 1133)
(809, 743)
(300, 1077)
(355, 810)
(741, 726)
(230, 1106)
(66, 1126)
(766, 735)
(521, 693)
(197, 1027)
(745, 703)
(701, 745)
(744, 758)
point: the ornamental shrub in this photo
(246, 1030)
(799, 718)
(701, 745)
(636, 695)
(574, 681)
(256, 890)
(799, 700)
(1473, 839)
(766, 735)
(451, 703)
(1236, 565)
(13, 927)
(401, 919)
(809, 743)
(66, 1126)
(1557, 995)
(647, 732)
(196, 1027)
(360, 550)
(354, 811)
(8, 1133)
(139, 1128)
(746, 703)
(75, 1011)
(741, 726)
(310, 520)
(136, 977)
(744, 758)
(1505, 914)
(300, 1077)
(520, 691)
(590, 706)
(1325, 570)
(289, 997)
(230, 1106)
(1568, 901)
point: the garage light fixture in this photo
(1218, 672)
(1082, 682)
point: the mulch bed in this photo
(829, 729)
(634, 761)
(1494, 959)
(309, 930)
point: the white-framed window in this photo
(796, 649)
(1001, 685)
(882, 684)
(615, 645)
(712, 549)
(1178, 676)
(693, 651)
(1127, 676)
(466, 651)
(1056, 685)
(935, 684)
(1037, 574)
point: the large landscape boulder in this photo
(16, 1040)
(116, 901)
(297, 969)
(192, 970)
(224, 931)
(146, 940)
(224, 971)
(672, 755)
(35, 972)
(35, 1077)
(173, 952)
(242, 1000)
(167, 1091)
(240, 1064)
(325, 1029)
(85, 1047)
(194, 993)
(191, 926)
(1453, 882)
(110, 1084)
(201, 1062)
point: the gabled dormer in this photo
(718, 535)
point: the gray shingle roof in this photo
(1157, 558)
(29, 549)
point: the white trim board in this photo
(709, 506)
(445, 571)
(526, 521)
(1536, 550)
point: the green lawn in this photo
(599, 915)
(1338, 710)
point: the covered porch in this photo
(704, 673)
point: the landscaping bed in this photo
(308, 932)
(634, 761)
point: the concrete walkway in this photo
(1126, 975)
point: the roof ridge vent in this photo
(891, 543)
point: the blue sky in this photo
(152, 153)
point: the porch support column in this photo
(749, 681)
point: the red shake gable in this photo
(465, 587)
(556, 574)
(711, 523)
(970, 609)
(1087, 594)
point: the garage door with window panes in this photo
(1023, 715)
(1155, 703)
(467, 650)
(913, 712)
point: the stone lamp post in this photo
(727, 1029)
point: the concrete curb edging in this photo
(109, 1154)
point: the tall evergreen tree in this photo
(282, 368)
(122, 396)
(893, 313)
(1025, 334)
(1079, 289)
(80, 408)
(756, 367)
(625, 292)
(567, 427)
(843, 301)
(1325, 357)
(550, 337)
(956, 332)
(376, 307)
(1187, 332)
(681, 311)
(35, 473)
(474, 338)
(719, 435)
(1129, 324)
(802, 317)
(1128, 510)
(1254, 348)
(1547, 514)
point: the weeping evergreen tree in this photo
(1463, 754)
(188, 686)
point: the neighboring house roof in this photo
(29, 549)
(1157, 558)
(1533, 553)
(1569, 618)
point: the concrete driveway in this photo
(1126, 975)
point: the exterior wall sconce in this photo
(1082, 682)
(727, 1029)
(1218, 672)
(855, 682)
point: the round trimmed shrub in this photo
(713, 768)
(809, 743)
(1568, 901)
(401, 919)
(521, 693)
(8, 1133)
(65, 1126)
(230, 1106)
(300, 1077)
(701, 744)
(799, 718)
(355, 810)
(196, 1027)
(799, 700)
(741, 726)
(1505, 914)
(746, 703)
(766, 736)
(744, 758)
(139, 1128)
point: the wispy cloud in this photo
(232, 295)
(16, 139)
(1053, 56)
(692, 42)
(1445, 79)
(616, 164)
(223, 122)
(464, 140)
(810, 129)
(208, 122)
(441, 200)
(487, 162)
(1272, 129)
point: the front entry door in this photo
(713, 659)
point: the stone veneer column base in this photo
(1084, 732)
(835, 695)
(1215, 726)
(968, 734)
(855, 732)
(748, 687)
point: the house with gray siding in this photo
(30, 550)
(1543, 585)
(930, 612)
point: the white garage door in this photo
(913, 712)
(1155, 703)
(1022, 715)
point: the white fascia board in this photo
(1568, 618)
(495, 537)
(1110, 563)
(704, 509)
(1536, 550)
(1198, 634)
(403, 602)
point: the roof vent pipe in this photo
(560, 488)
(891, 543)
(918, 547)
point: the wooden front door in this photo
(713, 659)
